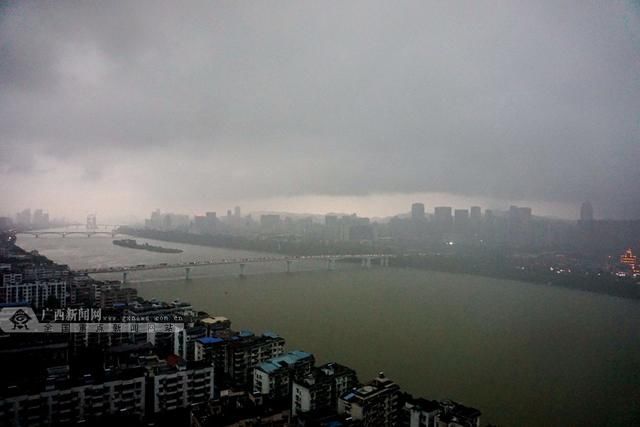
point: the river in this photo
(524, 354)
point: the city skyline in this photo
(572, 214)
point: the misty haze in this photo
(365, 213)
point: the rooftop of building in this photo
(287, 359)
(325, 418)
(129, 347)
(210, 340)
(424, 405)
(211, 320)
(325, 373)
(459, 410)
(141, 306)
(333, 368)
(377, 385)
(171, 364)
(245, 338)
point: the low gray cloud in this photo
(537, 101)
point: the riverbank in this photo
(283, 246)
(500, 268)
(482, 263)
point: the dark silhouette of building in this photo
(442, 219)
(417, 211)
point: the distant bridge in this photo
(78, 225)
(366, 261)
(88, 233)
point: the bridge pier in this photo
(187, 273)
(331, 264)
(64, 235)
(37, 235)
(124, 277)
(242, 265)
(288, 266)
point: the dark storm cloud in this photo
(536, 101)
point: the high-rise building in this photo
(320, 389)
(236, 212)
(156, 219)
(211, 221)
(205, 224)
(519, 231)
(20, 287)
(475, 214)
(92, 222)
(332, 227)
(23, 218)
(213, 350)
(442, 213)
(248, 350)
(200, 223)
(179, 384)
(420, 412)
(270, 222)
(455, 414)
(38, 220)
(430, 413)
(169, 221)
(417, 211)
(521, 215)
(273, 377)
(373, 404)
(461, 222)
(442, 219)
(68, 402)
(106, 295)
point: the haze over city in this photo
(122, 107)
(319, 213)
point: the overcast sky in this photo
(119, 107)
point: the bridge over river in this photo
(64, 233)
(366, 260)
